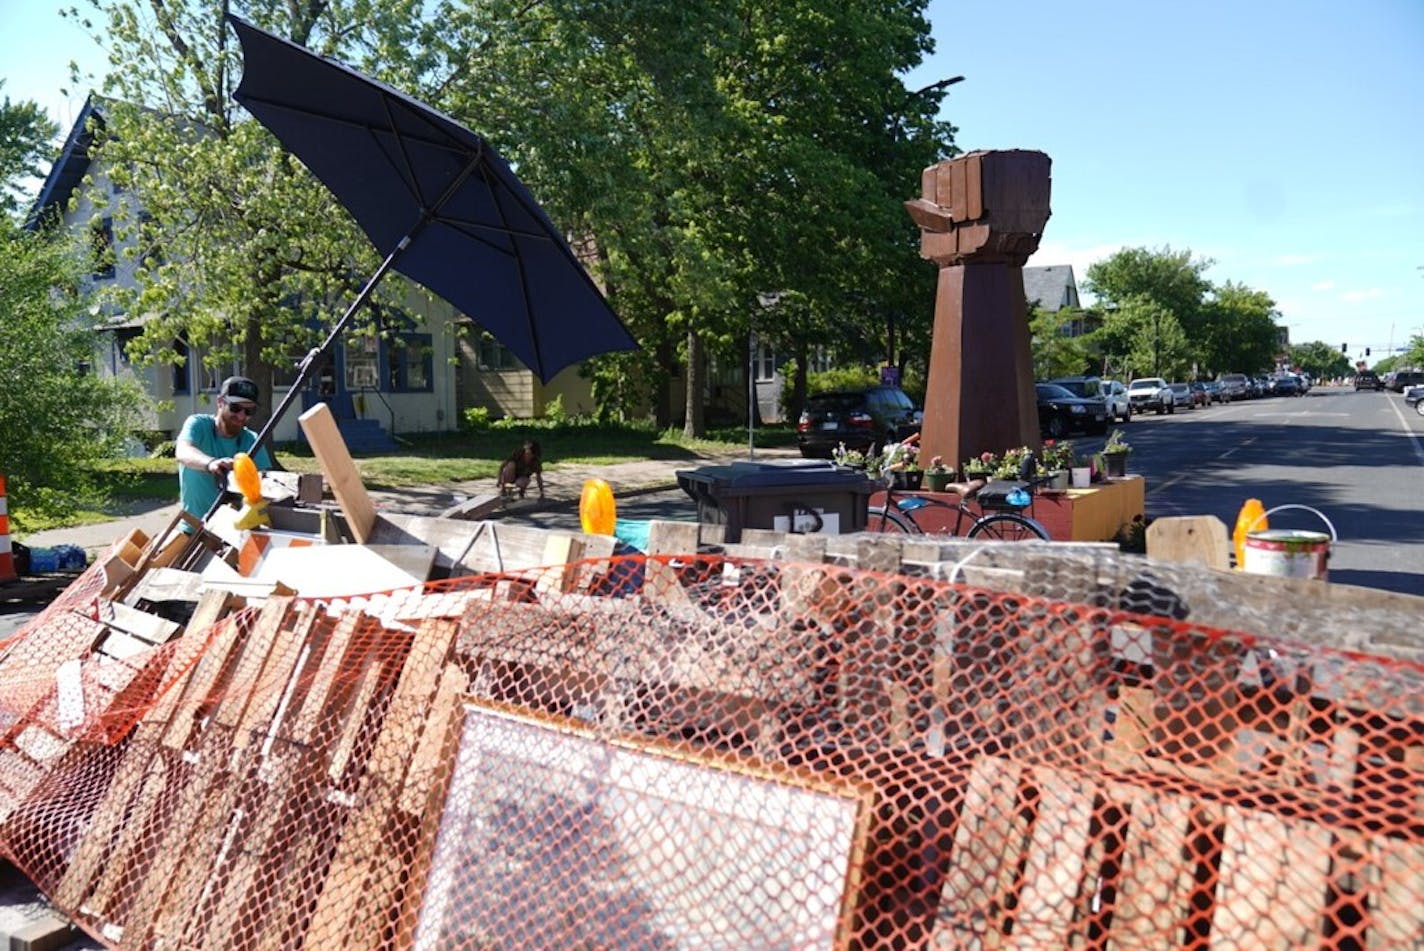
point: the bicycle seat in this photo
(966, 490)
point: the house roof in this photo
(1052, 287)
(69, 168)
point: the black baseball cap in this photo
(238, 388)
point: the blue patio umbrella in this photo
(434, 198)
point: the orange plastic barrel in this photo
(597, 511)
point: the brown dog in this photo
(524, 463)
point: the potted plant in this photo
(1114, 455)
(850, 458)
(938, 475)
(901, 461)
(1054, 464)
(981, 466)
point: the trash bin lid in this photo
(742, 476)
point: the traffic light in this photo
(1344, 348)
(1367, 351)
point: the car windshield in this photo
(1052, 391)
(835, 402)
(1144, 384)
(1077, 387)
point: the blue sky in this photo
(1283, 140)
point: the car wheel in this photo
(1127, 417)
(1171, 409)
(1419, 407)
(1056, 429)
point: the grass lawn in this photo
(435, 459)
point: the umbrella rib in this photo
(534, 338)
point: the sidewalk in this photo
(562, 486)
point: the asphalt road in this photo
(1356, 458)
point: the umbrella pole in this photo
(308, 366)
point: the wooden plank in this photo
(1268, 862)
(341, 473)
(1394, 886)
(988, 840)
(1156, 881)
(1056, 865)
(146, 627)
(347, 914)
(1189, 539)
(317, 705)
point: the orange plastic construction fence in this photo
(700, 752)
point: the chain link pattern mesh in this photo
(708, 752)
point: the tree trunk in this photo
(695, 426)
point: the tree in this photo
(1140, 337)
(59, 418)
(25, 136)
(1054, 353)
(719, 152)
(235, 248)
(1239, 331)
(1169, 278)
(1321, 360)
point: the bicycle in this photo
(999, 518)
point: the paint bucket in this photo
(1289, 552)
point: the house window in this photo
(181, 375)
(493, 355)
(409, 363)
(363, 363)
(819, 360)
(101, 242)
(765, 364)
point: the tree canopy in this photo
(716, 155)
(58, 416)
(1164, 318)
(25, 136)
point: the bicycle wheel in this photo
(883, 519)
(1007, 527)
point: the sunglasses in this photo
(242, 409)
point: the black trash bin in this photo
(801, 496)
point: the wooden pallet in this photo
(1045, 857)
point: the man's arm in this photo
(191, 457)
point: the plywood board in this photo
(692, 851)
(341, 473)
(329, 571)
(1189, 539)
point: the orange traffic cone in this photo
(7, 558)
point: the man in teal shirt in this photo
(207, 444)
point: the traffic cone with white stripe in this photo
(7, 558)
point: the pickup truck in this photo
(1151, 392)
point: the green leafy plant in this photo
(1056, 455)
(1116, 444)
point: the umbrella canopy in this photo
(435, 199)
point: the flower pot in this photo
(1057, 480)
(1115, 464)
(936, 481)
(906, 478)
(1081, 476)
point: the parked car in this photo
(1200, 395)
(1182, 395)
(1151, 392)
(1401, 380)
(1061, 412)
(1285, 384)
(863, 419)
(1367, 380)
(1414, 396)
(1234, 386)
(1213, 390)
(1111, 392)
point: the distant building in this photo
(1052, 288)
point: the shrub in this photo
(475, 419)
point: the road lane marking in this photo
(1413, 436)
(1234, 448)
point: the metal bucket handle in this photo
(1292, 505)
